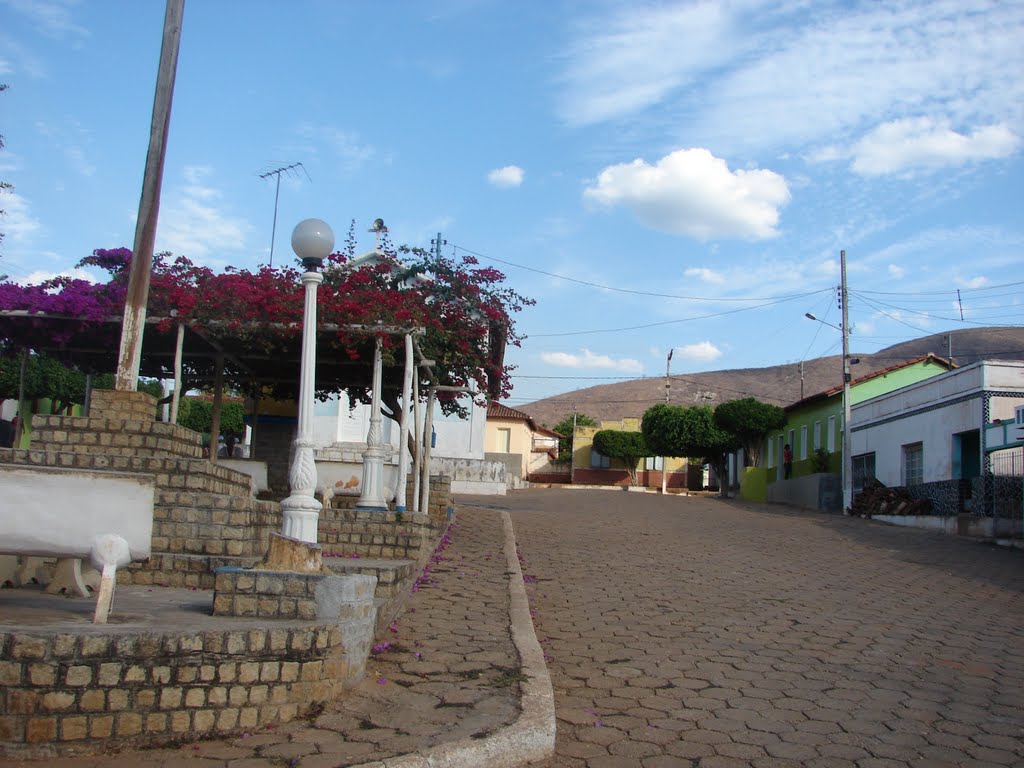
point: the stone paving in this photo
(447, 669)
(688, 631)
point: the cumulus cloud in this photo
(924, 143)
(587, 359)
(702, 352)
(509, 176)
(691, 192)
(897, 271)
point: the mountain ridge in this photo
(777, 384)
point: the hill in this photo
(777, 384)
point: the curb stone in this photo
(531, 738)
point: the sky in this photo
(658, 176)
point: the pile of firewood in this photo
(878, 499)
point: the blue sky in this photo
(670, 175)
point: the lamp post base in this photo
(301, 516)
(373, 481)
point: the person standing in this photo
(787, 461)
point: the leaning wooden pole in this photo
(130, 355)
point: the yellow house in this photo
(589, 467)
(514, 435)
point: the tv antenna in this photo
(288, 170)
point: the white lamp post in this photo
(312, 241)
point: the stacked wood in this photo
(878, 499)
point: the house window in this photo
(654, 462)
(863, 470)
(817, 435)
(803, 442)
(504, 440)
(598, 461)
(913, 464)
(771, 452)
(830, 435)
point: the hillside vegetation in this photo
(777, 384)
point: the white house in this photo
(941, 438)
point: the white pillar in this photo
(402, 483)
(417, 431)
(428, 428)
(373, 459)
(301, 509)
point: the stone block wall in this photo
(86, 691)
(204, 515)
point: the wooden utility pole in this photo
(130, 354)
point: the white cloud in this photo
(346, 146)
(587, 359)
(193, 225)
(923, 143)
(897, 271)
(691, 192)
(40, 276)
(632, 60)
(17, 223)
(706, 275)
(52, 17)
(509, 176)
(703, 351)
(760, 74)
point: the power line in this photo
(676, 322)
(628, 290)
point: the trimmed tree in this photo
(627, 447)
(749, 420)
(690, 432)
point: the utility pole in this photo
(847, 475)
(572, 448)
(437, 243)
(287, 169)
(130, 354)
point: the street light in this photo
(312, 241)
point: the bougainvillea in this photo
(253, 319)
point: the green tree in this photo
(627, 447)
(565, 427)
(749, 420)
(691, 432)
(197, 414)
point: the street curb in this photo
(531, 738)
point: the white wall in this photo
(335, 422)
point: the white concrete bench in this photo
(105, 517)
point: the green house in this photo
(814, 432)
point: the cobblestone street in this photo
(689, 631)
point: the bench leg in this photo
(105, 600)
(67, 576)
(31, 569)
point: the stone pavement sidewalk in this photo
(459, 680)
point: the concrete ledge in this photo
(531, 738)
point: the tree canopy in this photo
(749, 420)
(255, 319)
(627, 447)
(687, 431)
(565, 428)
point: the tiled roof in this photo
(499, 411)
(932, 358)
